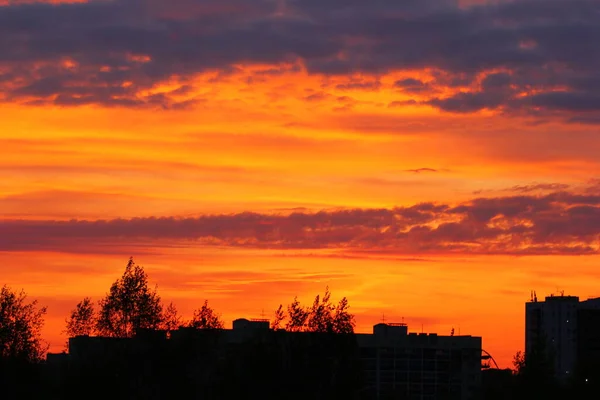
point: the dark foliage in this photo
(21, 346)
(171, 320)
(20, 327)
(129, 305)
(323, 316)
(82, 320)
(206, 318)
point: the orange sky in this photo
(515, 181)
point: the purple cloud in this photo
(560, 222)
(527, 56)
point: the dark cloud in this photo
(496, 81)
(539, 187)
(319, 96)
(413, 86)
(419, 170)
(402, 103)
(565, 101)
(526, 56)
(560, 222)
(585, 120)
(468, 102)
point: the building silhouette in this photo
(568, 330)
(403, 365)
(498, 384)
(251, 359)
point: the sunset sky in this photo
(432, 160)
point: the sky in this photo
(432, 160)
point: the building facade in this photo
(420, 366)
(568, 330)
(552, 324)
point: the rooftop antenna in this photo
(262, 314)
(383, 318)
(534, 296)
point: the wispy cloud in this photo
(420, 170)
(539, 187)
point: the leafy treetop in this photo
(21, 324)
(129, 305)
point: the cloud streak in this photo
(420, 170)
(560, 222)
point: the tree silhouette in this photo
(343, 320)
(82, 321)
(320, 318)
(297, 317)
(278, 319)
(519, 363)
(206, 318)
(129, 305)
(171, 320)
(20, 327)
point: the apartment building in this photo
(420, 366)
(569, 331)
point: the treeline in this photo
(131, 304)
(203, 365)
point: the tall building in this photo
(568, 330)
(552, 324)
(588, 342)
